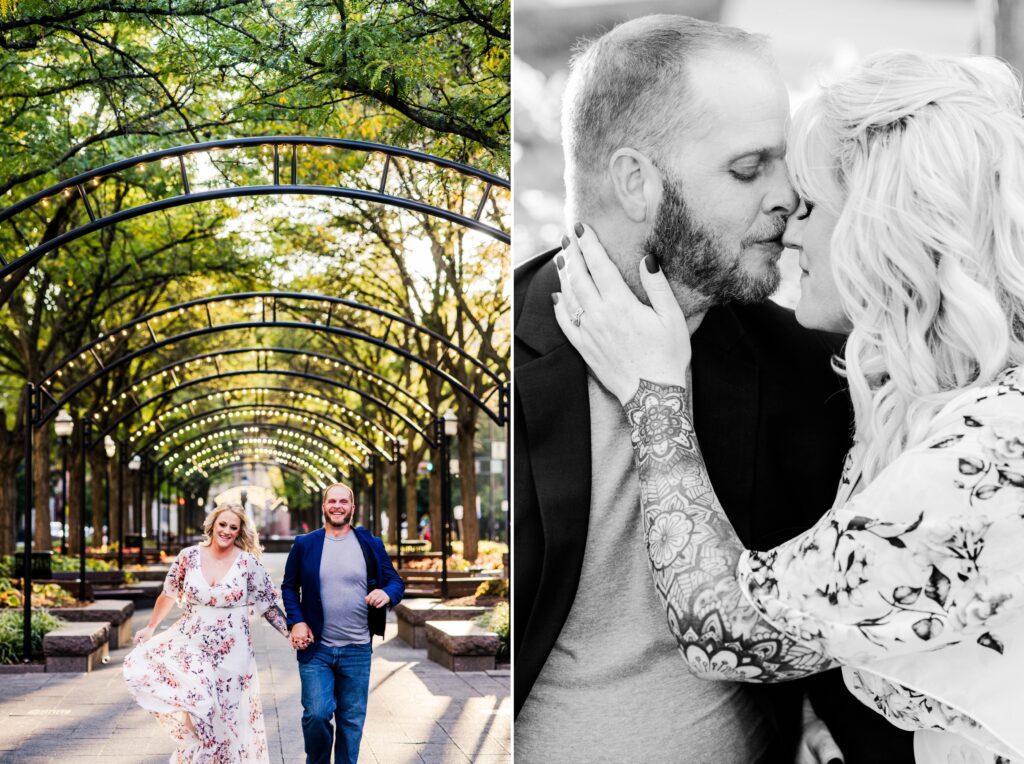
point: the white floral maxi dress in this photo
(203, 666)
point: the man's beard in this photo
(330, 521)
(697, 258)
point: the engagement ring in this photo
(577, 316)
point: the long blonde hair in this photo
(246, 540)
(921, 157)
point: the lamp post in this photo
(450, 428)
(109, 448)
(399, 448)
(135, 465)
(81, 513)
(122, 463)
(64, 425)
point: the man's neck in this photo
(337, 533)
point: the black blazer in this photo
(774, 425)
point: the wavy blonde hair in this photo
(921, 157)
(246, 540)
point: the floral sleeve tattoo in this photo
(694, 552)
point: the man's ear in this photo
(636, 183)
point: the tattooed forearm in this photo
(694, 551)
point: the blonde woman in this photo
(911, 241)
(199, 676)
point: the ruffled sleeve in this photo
(928, 554)
(263, 595)
(174, 582)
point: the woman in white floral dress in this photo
(198, 677)
(911, 241)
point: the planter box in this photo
(461, 645)
(412, 616)
(77, 647)
(117, 613)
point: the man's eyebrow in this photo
(761, 152)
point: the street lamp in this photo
(109, 448)
(64, 425)
(450, 428)
(135, 465)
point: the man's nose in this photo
(781, 198)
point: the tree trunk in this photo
(42, 540)
(1009, 32)
(410, 486)
(394, 521)
(76, 510)
(467, 479)
(97, 462)
(147, 503)
(134, 481)
(10, 458)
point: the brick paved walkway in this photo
(418, 711)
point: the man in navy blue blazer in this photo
(338, 582)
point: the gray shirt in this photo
(343, 591)
(615, 687)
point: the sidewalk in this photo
(418, 711)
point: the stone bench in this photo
(144, 592)
(77, 647)
(412, 616)
(117, 613)
(461, 645)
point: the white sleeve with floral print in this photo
(263, 595)
(930, 553)
(174, 581)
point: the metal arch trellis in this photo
(187, 449)
(13, 271)
(273, 372)
(81, 186)
(264, 353)
(269, 410)
(90, 349)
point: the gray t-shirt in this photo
(343, 591)
(615, 688)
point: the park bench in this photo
(77, 647)
(461, 645)
(412, 616)
(117, 613)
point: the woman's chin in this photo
(811, 316)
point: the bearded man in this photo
(674, 137)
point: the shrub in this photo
(12, 639)
(43, 595)
(494, 587)
(497, 621)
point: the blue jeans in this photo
(335, 685)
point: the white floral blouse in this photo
(916, 583)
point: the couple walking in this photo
(199, 676)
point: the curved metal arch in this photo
(77, 186)
(284, 466)
(228, 392)
(276, 454)
(343, 455)
(105, 369)
(246, 372)
(181, 363)
(319, 419)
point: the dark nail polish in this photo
(578, 228)
(559, 262)
(554, 298)
(653, 266)
(565, 242)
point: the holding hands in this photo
(621, 339)
(300, 636)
